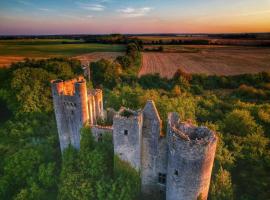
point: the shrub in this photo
(221, 188)
(180, 73)
(250, 92)
(124, 61)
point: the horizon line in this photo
(157, 33)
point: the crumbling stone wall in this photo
(99, 131)
(190, 160)
(95, 105)
(127, 136)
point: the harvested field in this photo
(93, 57)
(219, 61)
(7, 60)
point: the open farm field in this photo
(93, 57)
(16, 50)
(213, 60)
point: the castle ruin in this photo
(177, 166)
(74, 106)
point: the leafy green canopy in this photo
(29, 149)
(91, 173)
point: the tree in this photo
(105, 72)
(240, 122)
(124, 61)
(251, 174)
(32, 89)
(221, 187)
(34, 192)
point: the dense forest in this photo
(31, 165)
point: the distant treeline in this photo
(245, 39)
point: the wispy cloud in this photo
(45, 9)
(91, 6)
(27, 3)
(259, 12)
(134, 12)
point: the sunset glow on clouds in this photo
(140, 16)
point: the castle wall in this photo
(153, 156)
(99, 103)
(177, 167)
(91, 109)
(190, 160)
(127, 138)
(95, 98)
(99, 131)
(162, 166)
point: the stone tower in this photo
(190, 160)
(74, 106)
(154, 153)
(127, 136)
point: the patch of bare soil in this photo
(5, 61)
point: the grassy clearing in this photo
(48, 48)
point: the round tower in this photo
(190, 160)
(57, 91)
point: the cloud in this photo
(253, 13)
(45, 9)
(134, 12)
(24, 2)
(91, 6)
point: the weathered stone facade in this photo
(127, 136)
(74, 106)
(177, 166)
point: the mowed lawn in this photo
(16, 50)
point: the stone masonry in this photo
(177, 166)
(74, 106)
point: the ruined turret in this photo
(73, 108)
(190, 160)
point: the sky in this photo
(27, 17)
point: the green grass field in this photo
(15, 50)
(48, 48)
